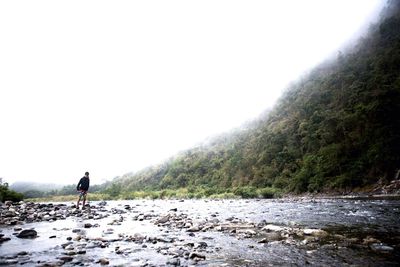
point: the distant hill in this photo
(336, 128)
(29, 186)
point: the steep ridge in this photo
(336, 128)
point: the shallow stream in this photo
(353, 232)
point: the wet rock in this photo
(66, 258)
(4, 239)
(66, 244)
(71, 253)
(381, 247)
(52, 236)
(87, 225)
(22, 253)
(51, 263)
(315, 232)
(201, 244)
(69, 247)
(109, 231)
(103, 261)
(272, 228)
(174, 262)
(195, 228)
(270, 237)
(8, 262)
(247, 232)
(196, 256)
(28, 233)
(164, 219)
(369, 240)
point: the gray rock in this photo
(9, 262)
(28, 233)
(269, 237)
(163, 219)
(381, 247)
(196, 256)
(66, 258)
(4, 239)
(103, 261)
(174, 262)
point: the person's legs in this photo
(79, 200)
(84, 201)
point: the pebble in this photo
(103, 261)
(66, 258)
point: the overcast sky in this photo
(111, 87)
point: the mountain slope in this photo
(336, 128)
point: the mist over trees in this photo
(336, 128)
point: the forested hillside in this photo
(336, 128)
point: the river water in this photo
(356, 232)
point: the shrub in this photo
(269, 192)
(7, 194)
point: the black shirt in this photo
(83, 184)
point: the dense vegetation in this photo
(337, 128)
(8, 194)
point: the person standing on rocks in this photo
(83, 187)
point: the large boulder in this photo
(28, 233)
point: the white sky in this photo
(111, 87)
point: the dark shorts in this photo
(82, 193)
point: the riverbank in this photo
(235, 232)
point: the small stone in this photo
(52, 236)
(195, 256)
(194, 229)
(273, 228)
(88, 225)
(201, 244)
(66, 258)
(315, 232)
(103, 261)
(71, 253)
(269, 237)
(381, 247)
(163, 219)
(69, 247)
(174, 262)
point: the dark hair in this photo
(86, 173)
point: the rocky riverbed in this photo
(297, 232)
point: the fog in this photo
(112, 87)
